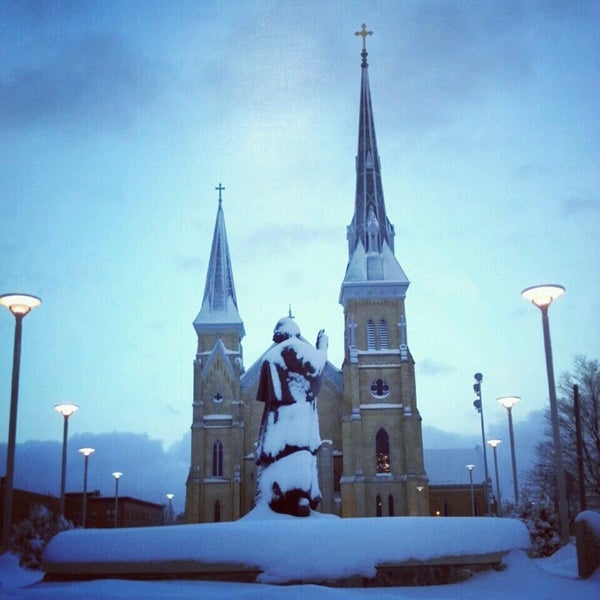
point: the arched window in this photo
(217, 459)
(217, 512)
(382, 451)
(383, 335)
(391, 505)
(446, 508)
(378, 511)
(370, 335)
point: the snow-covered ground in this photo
(282, 546)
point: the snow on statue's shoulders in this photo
(304, 352)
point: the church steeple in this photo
(219, 304)
(371, 259)
(369, 189)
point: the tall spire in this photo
(369, 200)
(219, 304)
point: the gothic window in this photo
(218, 398)
(383, 335)
(382, 449)
(391, 505)
(380, 388)
(446, 508)
(217, 512)
(217, 459)
(378, 510)
(370, 335)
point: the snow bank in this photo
(284, 548)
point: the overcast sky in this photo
(118, 119)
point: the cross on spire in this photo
(364, 33)
(220, 188)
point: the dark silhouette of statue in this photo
(289, 439)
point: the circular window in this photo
(380, 388)
(217, 398)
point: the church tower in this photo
(213, 484)
(383, 471)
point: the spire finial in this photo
(364, 33)
(290, 315)
(220, 188)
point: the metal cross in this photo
(220, 188)
(364, 33)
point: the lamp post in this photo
(170, 509)
(420, 489)
(470, 469)
(494, 444)
(19, 305)
(478, 404)
(66, 410)
(543, 296)
(87, 452)
(117, 475)
(508, 402)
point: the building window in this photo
(391, 505)
(383, 335)
(382, 449)
(380, 388)
(217, 459)
(370, 335)
(378, 511)
(217, 512)
(218, 398)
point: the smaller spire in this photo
(364, 33)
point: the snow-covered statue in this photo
(289, 439)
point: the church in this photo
(371, 460)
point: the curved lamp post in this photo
(66, 410)
(117, 475)
(508, 402)
(19, 305)
(87, 452)
(494, 444)
(542, 296)
(470, 469)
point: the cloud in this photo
(575, 206)
(96, 79)
(429, 366)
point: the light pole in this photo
(470, 469)
(117, 475)
(19, 305)
(478, 404)
(87, 452)
(420, 489)
(170, 509)
(543, 296)
(494, 444)
(66, 410)
(508, 402)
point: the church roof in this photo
(219, 304)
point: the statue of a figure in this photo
(289, 439)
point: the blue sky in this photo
(117, 121)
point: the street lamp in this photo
(542, 296)
(508, 402)
(87, 452)
(66, 410)
(494, 444)
(470, 469)
(420, 489)
(170, 509)
(117, 475)
(478, 404)
(19, 305)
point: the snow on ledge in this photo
(285, 548)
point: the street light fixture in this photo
(478, 404)
(66, 410)
(87, 452)
(508, 402)
(420, 489)
(170, 509)
(117, 475)
(19, 305)
(470, 469)
(542, 296)
(494, 444)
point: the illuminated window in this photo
(382, 449)
(217, 459)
